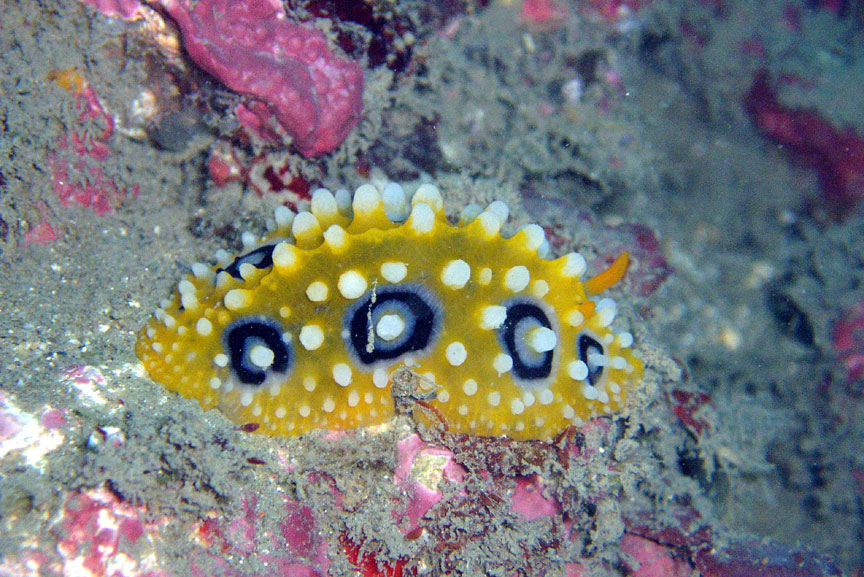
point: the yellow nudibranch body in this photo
(304, 329)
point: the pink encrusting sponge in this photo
(252, 48)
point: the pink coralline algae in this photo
(529, 502)
(691, 545)
(95, 534)
(654, 560)
(105, 536)
(298, 549)
(41, 234)
(76, 175)
(124, 9)
(689, 408)
(848, 340)
(422, 494)
(542, 14)
(286, 68)
(615, 10)
(836, 155)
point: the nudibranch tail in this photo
(304, 327)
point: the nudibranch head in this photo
(303, 329)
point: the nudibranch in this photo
(305, 327)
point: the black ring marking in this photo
(242, 335)
(261, 257)
(527, 364)
(417, 307)
(589, 345)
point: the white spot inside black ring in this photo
(413, 304)
(522, 317)
(589, 346)
(243, 336)
(261, 257)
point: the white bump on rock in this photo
(503, 363)
(533, 235)
(577, 370)
(305, 226)
(335, 236)
(202, 271)
(493, 317)
(317, 292)
(189, 301)
(517, 278)
(589, 392)
(517, 407)
(352, 284)
(380, 378)
(261, 356)
(284, 216)
(469, 213)
(324, 204)
(343, 201)
(456, 274)
(575, 318)
(541, 339)
(203, 327)
(499, 207)
(223, 258)
(395, 202)
(246, 270)
(469, 387)
(456, 353)
(605, 311)
(540, 288)
(353, 398)
(490, 222)
(428, 194)
(390, 327)
(422, 219)
(342, 374)
(237, 299)
(367, 199)
(394, 271)
(285, 257)
(573, 265)
(311, 337)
